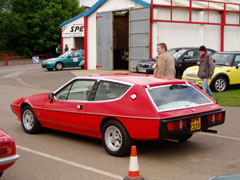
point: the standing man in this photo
(66, 48)
(165, 64)
(206, 69)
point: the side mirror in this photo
(238, 66)
(51, 97)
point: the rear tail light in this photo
(177, 125)
(4, 151)
(213, 118)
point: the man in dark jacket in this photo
(206, 69)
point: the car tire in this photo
(1, 173)
(184, 137)
(219, 84)
(59, 66)
(49, 69)
(29, 121)
(115, 138)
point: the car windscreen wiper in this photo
(221, 65)
(178, 86)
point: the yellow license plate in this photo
(195, 124)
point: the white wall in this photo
(92, 41)
(187, 35)
(69, 41)
(74, 28)
(232, 39)
(68, 36)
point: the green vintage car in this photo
(73, 58)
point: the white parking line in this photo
(71, 163)
(220, 136)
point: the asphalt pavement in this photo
(55, 155)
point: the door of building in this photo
(105, 40)
(139, 36)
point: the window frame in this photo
(93, 92)
(71, 84)
(109, 81)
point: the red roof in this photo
(140, 79)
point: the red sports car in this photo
(121, 108)
(7, 151)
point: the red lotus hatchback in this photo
(121, 108)
(7, 151)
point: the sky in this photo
(88, 3)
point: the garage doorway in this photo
(120, 39)
(79, 42)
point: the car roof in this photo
(139, 79)
(189, 48)
(229, 52)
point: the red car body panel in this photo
(138, 116)
(7, 159)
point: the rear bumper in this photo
(9, 159)
(7, 162)
(163, 129)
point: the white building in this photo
(117, 34)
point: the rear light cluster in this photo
(4, 151)
(213, 118)
(177, 125)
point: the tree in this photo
(33, 26)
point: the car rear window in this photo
(173, 97)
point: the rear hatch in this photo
(184, 108)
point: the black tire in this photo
(184, 137)
(219, 84)
(118, 144)
(1, 173)
(49, 69)
(29, 121)
(59, 66)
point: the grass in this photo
(230, 97)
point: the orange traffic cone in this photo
(133, 172)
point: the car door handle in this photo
(79, 106)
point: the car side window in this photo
(76, 91)
(237, 60)
(193, 54)
(110, 90)
(71, 55)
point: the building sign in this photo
(73, 30)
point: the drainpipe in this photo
(61, 41)
(85, 43)
(223, 22)
(151, 24)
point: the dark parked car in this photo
(184, 58)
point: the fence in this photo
(20, 60)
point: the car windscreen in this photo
(65, 54)
(179, 96)
(177, 54)
(222, 59)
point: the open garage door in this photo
(104, 40)
(139, 37)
